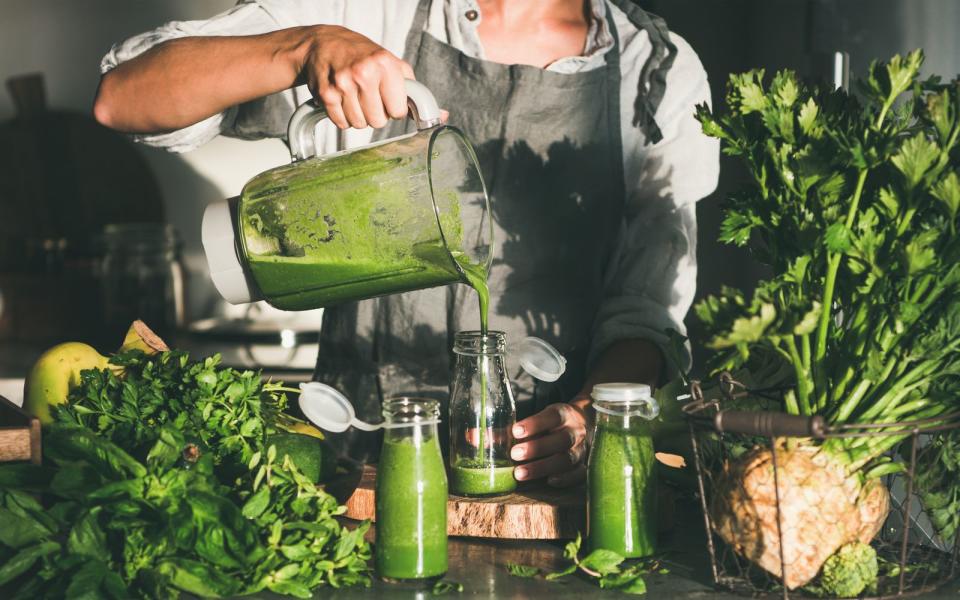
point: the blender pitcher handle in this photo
(301, 130)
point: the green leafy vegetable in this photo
(606, 567)
(445, 586)
(851, 571)
(853, 203)
(602, 562)
(522, 570)
(938, 481)
(24, 559)
(164, 481)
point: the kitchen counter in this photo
(480, 566)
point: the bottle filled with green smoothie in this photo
(482, 414)
(411, 493)
(381, 219)
(622, 494)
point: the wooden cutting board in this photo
(534, 511)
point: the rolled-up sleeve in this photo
(651, 281)
(250, 17)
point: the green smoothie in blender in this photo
(352, 229)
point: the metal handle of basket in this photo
(768, 424)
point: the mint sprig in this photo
(445, 586)
(606, 567)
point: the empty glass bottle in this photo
(482, 413)
(141, 278)
(411, 493)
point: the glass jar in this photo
(411, 493)
(141, 278)
(621, 481)
(482, 414)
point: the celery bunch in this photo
(854, 205)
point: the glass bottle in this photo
(621, 482)
(141, 278)
(411, 493)
(482, 414)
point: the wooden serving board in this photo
(533, 511)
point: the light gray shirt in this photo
(652, 281)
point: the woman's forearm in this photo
(183, 81)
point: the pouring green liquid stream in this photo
(481, 472)
(476, 276)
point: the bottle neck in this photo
(626, 416)
(415, 418)
(475, 343)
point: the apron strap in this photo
(653, 78)
(417, 28)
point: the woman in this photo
(581, 112)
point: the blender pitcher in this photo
(404, 214)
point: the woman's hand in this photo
(359, 82)
(553, 444)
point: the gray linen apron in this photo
(550, 152)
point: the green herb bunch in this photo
(853, 203)
(222, 411)
(162, 481)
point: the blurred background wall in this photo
(65, 39)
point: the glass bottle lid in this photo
(631, 399)
(328, 409)
(541, 360)
(621, 392)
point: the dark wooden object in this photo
(19, 434)
(63, 177)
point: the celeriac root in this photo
(821, 509)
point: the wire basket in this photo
(912, 558)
